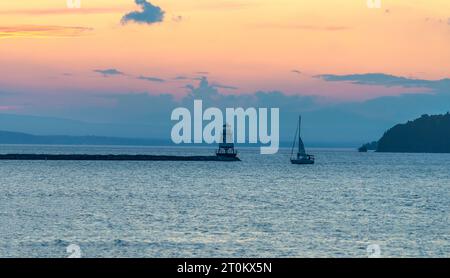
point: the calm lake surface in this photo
(260, 207)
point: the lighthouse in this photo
(226, 146)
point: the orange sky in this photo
(249, 44)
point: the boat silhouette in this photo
(301, 157)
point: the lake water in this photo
(260, 207)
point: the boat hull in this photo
(302, 161)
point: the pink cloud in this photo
(37, 31)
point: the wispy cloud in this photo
(116, 72)
(109, 72)
(181, 77)
(60, 11)
(41, 31)
(149, 14)
(221, 86)
(151, 79)
(177, 18)
(296, 71)
(225, 5)
(387, 80)
(306, 27)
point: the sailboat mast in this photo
(299, 132)
(295, 140)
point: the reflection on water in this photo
(260, 207)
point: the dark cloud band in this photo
(387, 80)
(108, 72)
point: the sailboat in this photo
(301, 157)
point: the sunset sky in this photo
(58, 55)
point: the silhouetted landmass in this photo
(427, 134)
(369, 146)
(7, 137)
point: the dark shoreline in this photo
(111, 157)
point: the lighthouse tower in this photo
(226, 146)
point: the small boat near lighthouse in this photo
(301, 157)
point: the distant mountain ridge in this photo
(21, 138)
(427, 134)
(7, 137)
